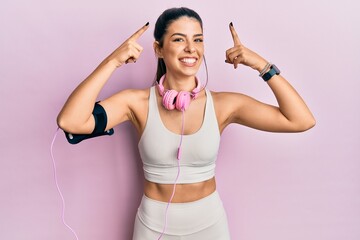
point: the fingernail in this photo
(147, 24)
(231, 24)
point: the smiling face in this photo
(182, 48)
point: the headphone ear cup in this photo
(182, 100)
(171, 99)
(168, 100)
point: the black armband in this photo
(99, 130)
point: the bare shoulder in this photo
(128, 104)
(227, 99)
(135, 93)
(225, 104)
(130, 96)
(139, 99)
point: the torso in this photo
(172, 121)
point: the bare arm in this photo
(292, 114)
(76, 115)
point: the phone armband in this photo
(99, 130)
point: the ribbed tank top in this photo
(158, 147)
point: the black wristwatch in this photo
(273, 70)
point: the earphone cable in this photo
(58, 187)
(177, 176)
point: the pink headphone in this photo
(179, 100)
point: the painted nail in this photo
(231, 24)
(147, 24)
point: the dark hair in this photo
(161, 26)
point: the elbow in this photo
(73, 125)
(65, 124)
(310, 125)
(311, 122)
(61, 122)
(307, 124)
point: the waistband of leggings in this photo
(182, 218)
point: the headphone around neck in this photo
(171, 99)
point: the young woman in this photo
(179, 156)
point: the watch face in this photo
(277, 71)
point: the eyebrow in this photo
(184, 35)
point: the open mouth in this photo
(188, 60)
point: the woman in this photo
(179, 159)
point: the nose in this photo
(190, 48)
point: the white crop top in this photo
(158, 147)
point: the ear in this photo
(157, 49)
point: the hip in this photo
(182, 218)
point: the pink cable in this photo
(58, 187)
(177, 176)
(182, 133)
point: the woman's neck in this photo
(178, 83)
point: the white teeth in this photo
(188, 60)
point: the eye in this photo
(178, 40)
(199, 40)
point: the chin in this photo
(190, 72)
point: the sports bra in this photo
(158, 147)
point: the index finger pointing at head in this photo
(234, 35)
(139, 32)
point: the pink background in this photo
(274, 186)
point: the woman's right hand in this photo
(76, 115)
(129, 51)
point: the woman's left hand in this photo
(239, 54)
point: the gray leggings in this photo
(201, 219)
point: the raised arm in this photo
(76, 115)
(291, 114)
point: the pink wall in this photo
(274, 186)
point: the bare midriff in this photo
(184, 192)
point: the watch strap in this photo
(273, 71)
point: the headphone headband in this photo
(194, 93)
